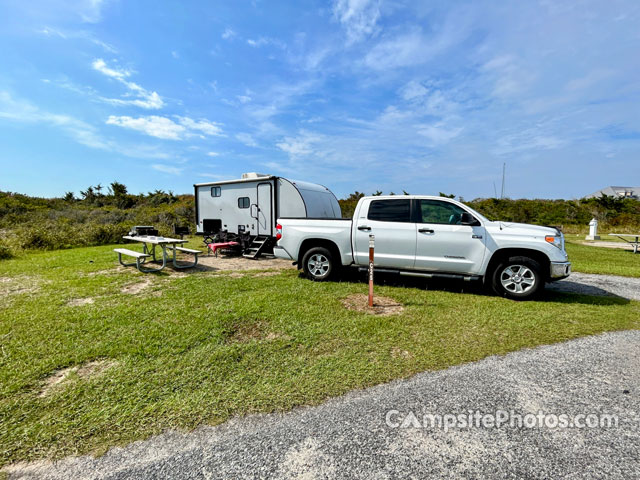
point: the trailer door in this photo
(265, 209)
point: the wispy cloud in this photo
(144, 98)
(213, 154)
(77, 34)
(18, 110)
(165, 128)
(247, 139)
(358, 17)
(169, 169)
(228, 34)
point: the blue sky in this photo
(354, 94)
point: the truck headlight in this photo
(554, 240)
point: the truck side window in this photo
(215, 191)
(436, 211)
(390, 210)
(243, 202)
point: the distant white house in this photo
(620, 192)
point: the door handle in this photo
(364, 228)
(426, 230)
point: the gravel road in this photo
(589, 284)
(348, 437)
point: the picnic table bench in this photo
(635, 236)
(149, 244)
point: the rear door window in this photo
(390, 210)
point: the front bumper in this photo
(559, 270)
(280, 252)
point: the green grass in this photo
(609, 261)
(211, 346)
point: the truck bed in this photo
(336, 230)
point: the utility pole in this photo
(504, 168)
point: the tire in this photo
(517, 278)
(318, 264)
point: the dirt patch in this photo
(400, 353)
(112, 271)
(266, 274)
(19, 284)
(82, 372)
(605, 244)
(78, 302)
(224, 262)
(381, 305)
(136, 288)
(244, 332)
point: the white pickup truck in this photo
(432, 237)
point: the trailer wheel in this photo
(318, 264)
(517, 278)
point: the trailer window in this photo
(215, 191)
(390, 210)
(243, 202)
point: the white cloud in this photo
(165, 128)
(80, 131)
(247, 139)
(171, 170)
(101, 66)
(413, 90)
(299, 146)
(213, 154)
(81, 34)
(228, 34)
(203, 126)
(257, 43)
(175, 54)
(144, 98)
(358, 17)
(243, 98)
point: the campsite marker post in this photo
(371, 245)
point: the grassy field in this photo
(206, 346)
(609, 261)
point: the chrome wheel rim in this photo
(318, 265)
(517, 279)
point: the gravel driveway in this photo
(348, 437)
(589, 284)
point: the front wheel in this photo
(517, 278)
(318, 264)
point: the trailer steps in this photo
(257, 247)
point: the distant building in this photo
(620, 192)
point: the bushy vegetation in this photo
(97, 218)
(102, 216)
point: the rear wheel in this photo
(517, 278)
(318, 264)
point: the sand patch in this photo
(78, 302)
(82, 372)
(136, 288)
(359, 302)
(236, 263)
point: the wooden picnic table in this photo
(149, 244)
(635, 242)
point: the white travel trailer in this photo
(245, 210)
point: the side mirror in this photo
(467, 219)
